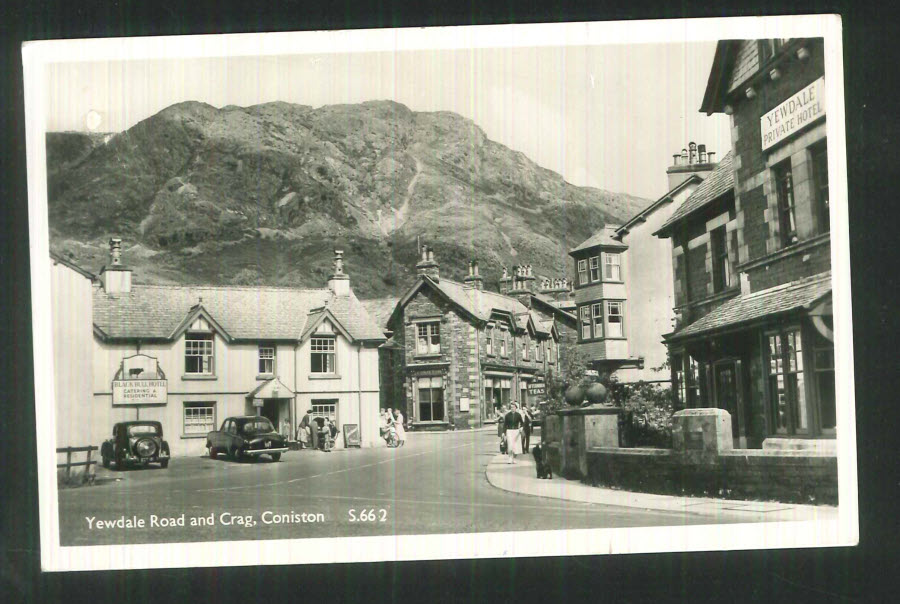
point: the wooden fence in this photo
(71, 464)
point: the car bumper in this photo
(254, 452)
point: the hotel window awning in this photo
(271, 388)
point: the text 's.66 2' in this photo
(367, 515)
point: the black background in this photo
(861, 574)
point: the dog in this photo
(542, 464)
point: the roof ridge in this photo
(229, 287)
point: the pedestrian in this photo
(513, 423)
(332, 433)
(526, 428)
(398, 426)
(303, 434)
(321, 433)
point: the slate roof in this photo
(380, 309)
(604, 237)
(719, 182)
(748, 308)
(244, 313)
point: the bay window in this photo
(787, 390)
(612, 267)
(582, 272)
(595, 268)
(615, 320)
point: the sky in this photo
(606, 116)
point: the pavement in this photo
(521, 478)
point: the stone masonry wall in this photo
(739, 474)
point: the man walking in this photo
(526, 428)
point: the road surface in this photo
(434, 484)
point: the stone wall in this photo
(738, 474)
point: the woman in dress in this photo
(398, 426)
(514, 425)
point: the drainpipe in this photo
(358, 392)
(296, 345)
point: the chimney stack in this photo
(428, 266)
(474, 279)
(693, 159)
(505, 282)
(116, 277)
(521, 288)
(339, 281)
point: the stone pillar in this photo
(584, 428)
(700, 435)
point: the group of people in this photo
(317, 432)
(514, 427)
(392, 429)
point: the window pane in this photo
(612, 267)
(595, 268)
(614, 319)
(582, 272)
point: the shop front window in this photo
(787, 391)
(431, 399)
(823, 367)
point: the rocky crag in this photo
(263, 194)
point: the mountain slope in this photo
(263, 194)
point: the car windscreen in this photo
(142, 429)
(258, 426)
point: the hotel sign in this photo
(140, 381)
(791, 116)
(139, 392)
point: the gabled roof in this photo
(719, 182)
(480, 304)
(380, 309)
(271, 388)
(57, 259)
(719, 77)
(749, 308)
(605, 237)
(667, 198)
(245, 313)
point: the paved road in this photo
(435, 484)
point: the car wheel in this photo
(164, 464)
(276, 456)
(213, 452)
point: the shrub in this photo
(647, 414)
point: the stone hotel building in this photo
(751, 254)
(460, 351)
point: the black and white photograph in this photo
(435, 293)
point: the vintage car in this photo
(135, 443)
(246, 436)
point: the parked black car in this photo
(247, 436)
(135, 443)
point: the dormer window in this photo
(266, 360)
(199, 354)
(525, 348)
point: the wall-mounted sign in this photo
(799, 111)
(139, 392)
(140, 381)
(537, 388)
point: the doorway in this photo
(726, 376)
